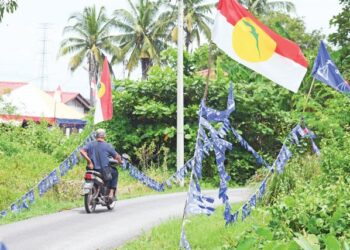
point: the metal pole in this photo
(208, 74)
(180, 98)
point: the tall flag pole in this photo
(104, 106)
(180, 98)
(248, 41)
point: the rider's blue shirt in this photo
(99, 152)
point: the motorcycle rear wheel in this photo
(90, 201)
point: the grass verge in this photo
(202, 232)
(66, 195)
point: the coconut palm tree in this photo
(197, 18)
(264, 6)
(142, 34)
(88, 38)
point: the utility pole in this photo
(180, 91)
(43, 76)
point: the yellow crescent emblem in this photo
(101, 89)
(251, 43)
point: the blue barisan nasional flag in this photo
(326, 71)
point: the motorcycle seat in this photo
(95, 173)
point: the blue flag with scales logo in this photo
(326, 71)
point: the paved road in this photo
(74, 229)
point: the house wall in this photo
(76, 105)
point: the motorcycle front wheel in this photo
(90, 200)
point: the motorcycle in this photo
(95, 190)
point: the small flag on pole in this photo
(104, 107)
(248, 41)
(326, 71)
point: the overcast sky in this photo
(21, 38)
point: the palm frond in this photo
(71, 49)
(133, 60)
(124, 16)
(77, 60)
(285, 6)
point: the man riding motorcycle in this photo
(97, 154)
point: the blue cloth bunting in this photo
(284, 155)
(314, 147)
(48, 182)
(250, 149)
(3, 213)
(14, 208)
(183, 240)
(197, 203)
(252, 201)
(138, 175)
(219, 116)
(30, 196)
(245, 211)
(2, 246)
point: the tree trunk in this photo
(146, 63)
(90, 82)
(187, 39)
(93, 77)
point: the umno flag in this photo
(104, 106)
(248, 41)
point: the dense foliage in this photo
(341, 37)
(29, 154)
(307, 206)
(145, 111)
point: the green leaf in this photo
(247, 244)
(332, 243)
(307, 243)
(188, 136)
(290, 201)
(274, 245)
(264, 232)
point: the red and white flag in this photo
(104, 106)
(248, 41)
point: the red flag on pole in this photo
(104, 106)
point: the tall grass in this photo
(202, 232)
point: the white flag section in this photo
(246, 40)
(98, 117)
